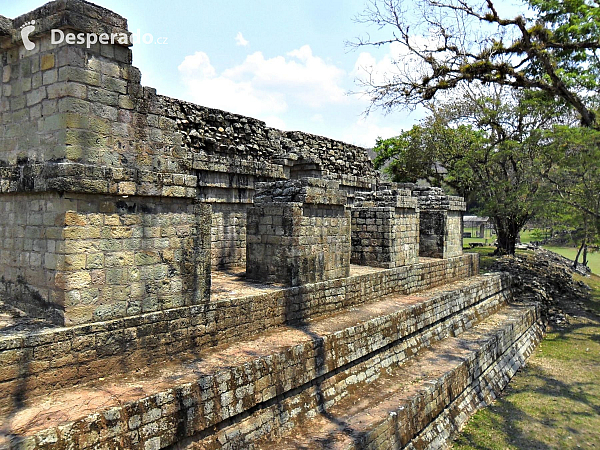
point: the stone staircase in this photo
(399, 370)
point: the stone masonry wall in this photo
(78, 258)
(453, 245)
(228, 234)
(384, 236)
(31, 237)
(385, 229)
(440, 223)
(77, 120)
(298, 232)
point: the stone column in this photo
(298, 232)
(385, 229)
(98, 212)
(440, 223)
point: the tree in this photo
(571, 169)
(554, 51)
(427, 151)
(490, 147)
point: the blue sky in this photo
(282, 61)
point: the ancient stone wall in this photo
(311, 376)
(228, 234)
(298, 232)
(441, 314)
(440, 223)
(77, 258)
(385, 229)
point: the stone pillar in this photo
(440, 223)
(298, 232)
(98, 212)
(385, 229)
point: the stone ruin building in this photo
(185, 277)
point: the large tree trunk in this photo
(507, 229)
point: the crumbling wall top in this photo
(304, 190)
(66, 14)
(388, 197)
(430, 197)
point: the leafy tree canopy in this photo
(488, 147)
(551, 48)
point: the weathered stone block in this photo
(440, 223)
(47, 61)
(385, 229)
(312, 242)
(83, 270)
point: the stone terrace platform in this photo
(233, 282)
(268, 384)
(38, 360)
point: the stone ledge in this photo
(400, 408)
(304, 190)
(89, 179)
(290, 360)
(124, 344)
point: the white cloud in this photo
(264, 87)
(276, 122)
(239, 40)
(217, 91)
(365, 131)
(318, 118)
(299, 75)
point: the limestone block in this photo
(298, 232)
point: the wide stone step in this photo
(194, 397)
(417, 404)
(36, 362)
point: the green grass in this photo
(528, 236)
(485, 257)
(554, 402)
(571, 252)
(487, 241)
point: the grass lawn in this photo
(526, 237)
(571, 252)
(554, 402)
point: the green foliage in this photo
(551, 50)
(490, 147)
(571, 161)
(417, 154)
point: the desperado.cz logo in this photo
(89, 39)
(26, 29)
